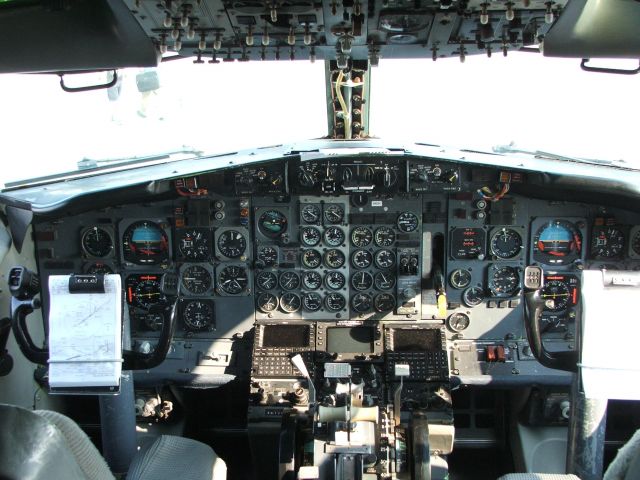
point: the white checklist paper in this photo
(85, 335)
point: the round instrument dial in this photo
(506, 243)
(460, 278)
(384, 302)
(310, 213)
(361, 281)
(233, 279)
(310, 236)
(198, 315)
(268, 256)
(361, 237)
(196, 279)
(607, 242)
(334, 302)
(289, 280)
(557, 242)
(266, 281)
(97, 242)
(473, 296)
(504, 281)
(384, 281)
(333, 213)
(99, 268)
(334, 236)
(407, 222)
(334, 280)
(147, 293)
(267, 302)
(232, 244)
(290, 302)
(334, 258)
(193, 244)
(312, 302)
(385, 259)
(361, 302)
(272, 223)
(145, 243)
(558, 293)
(384, 237)
(361, 259)
(311, 258)
(311, 280)
(458, 321)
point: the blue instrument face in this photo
(557, 242)
(145, 243)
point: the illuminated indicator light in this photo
(244, 212)
(130, 294)
(574, 296)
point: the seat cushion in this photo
(538, 476)
(171, 457)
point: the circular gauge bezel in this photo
(234, 271)
(333, 274)
(289, 280)
(384, 297)
(470, 301)
(99, 268)
(194, 244)
(460, 278)
(504, 251)
(267, 302)
(311, 258)
(378, 282)
(361, 237)
(384, 266)
(98, 250)
(384, 237)
(553, 255)
(365, 283)
(361, 259)
(266, 229)
(152, 287)
(310, 207)
(334, 258)
(315, 240)
(155, 252)
(197, 324)
(286, 304)
(333, 213)
(199, 281)
(334, 236)
(317, 280)
(613, 245)
(546, 294)
(268, 255)
(454, 319)
(334, 296)
(499, 274)
(232, 251)
(407, 222)
(357, 302)
(309, 295)
(266, 280)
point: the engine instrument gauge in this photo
(361, 281)
(473, 296)
(557, 242)
(232, 243)
(311, 280)
(361, 237)
(196, 279)
(384, 237)
(290, 302)
(267, 256)
(194, 244)
(198, 315)
(272, 223)
(312, 302)
(407, 222)
(458, 321)
(460, 278)
(311, 258)
(333, 213)
(384, 302)
(310, 213)
(334, 280)
(334, 302)
(289, 280)
(310, 236)
(384, 280)
(385, 259)
(506, 243)
(145, 243)
(233, 279)
(96, 242)
(267, 302)
(503, 281)
(334, 236)
(556, 295)
(361, 302)
(266, 281)
(361, 259)
(468, 243)
(607, 242)
(334, 258)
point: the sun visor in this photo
(71, 35)
(596, 29)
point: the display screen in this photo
(350, 340)
(413, 340)
(285, 336)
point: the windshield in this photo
(524, 100)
